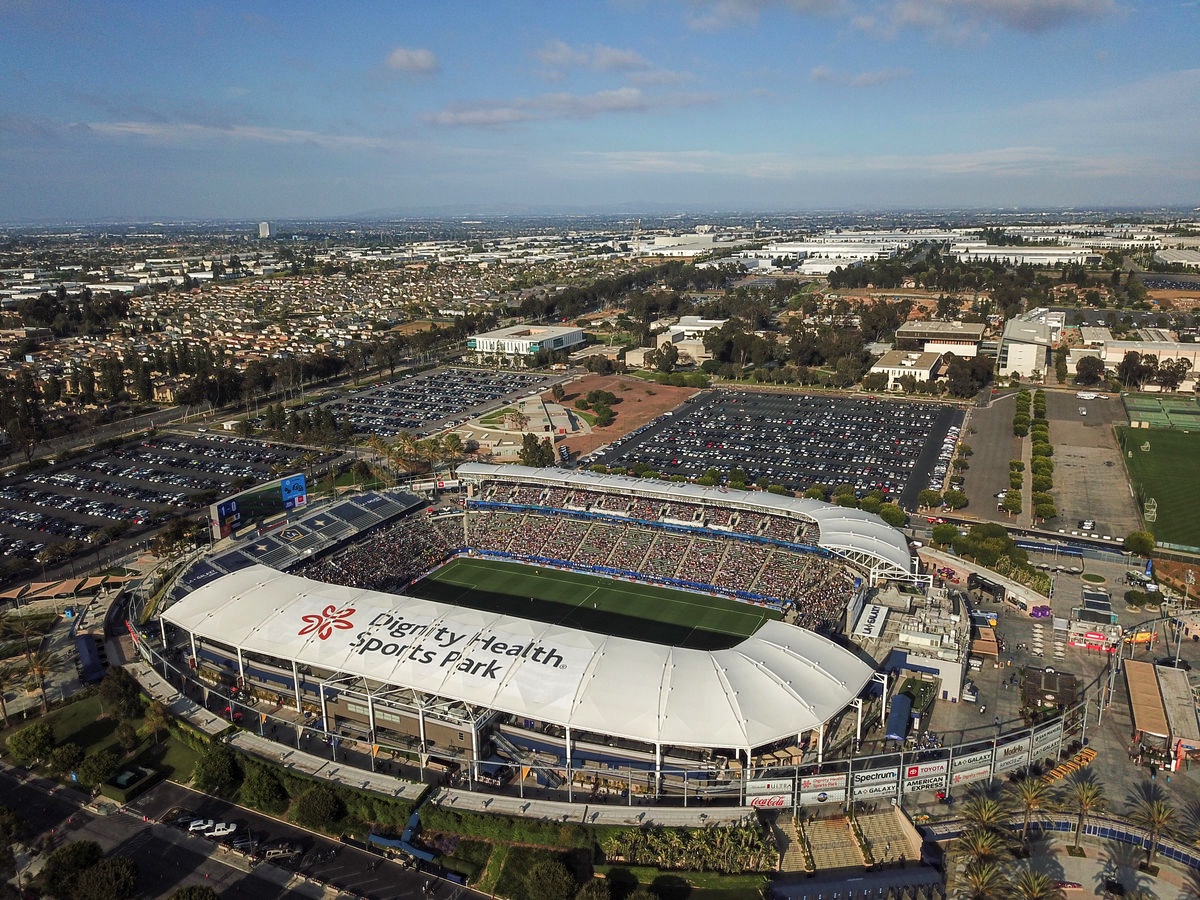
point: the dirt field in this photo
(638, 402)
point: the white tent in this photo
(774, 685)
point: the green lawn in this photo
(1166, 472)
(643, 612)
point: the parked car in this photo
(201, 826)
(221, 829)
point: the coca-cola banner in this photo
(771, 801)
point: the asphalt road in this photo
(168, 857)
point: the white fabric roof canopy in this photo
(776, 684)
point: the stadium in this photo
(665, 638)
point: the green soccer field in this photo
(608, 606)
(1166, 472)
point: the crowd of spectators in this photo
(388, 559)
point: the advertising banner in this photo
(923, 770)
(823, 782)
(771, 801)
(1012, 756)
(876, 790)
(875, 776)
(932, 783)
(972, 760)
(816, 798)
(771, 786)
(1047, 737)
(968, 775)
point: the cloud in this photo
(558, 106)
(598, 57)
(411, 59)
(960, 20)
(714, 15)
(826, 75)
(187, 132)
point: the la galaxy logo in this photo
(330, 618)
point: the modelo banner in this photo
(823, 783)
(771, 801)
(876, 790)
(972, 760)
(924, 770)
(1012, 756)
(772, 786)
(817, 798)
(968, 775)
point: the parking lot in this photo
(129, 487)
(432, 401)
(871, 444)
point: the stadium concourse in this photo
(336, 634)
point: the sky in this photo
(274, 111)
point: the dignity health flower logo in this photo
(330, 618)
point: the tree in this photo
(65, 758)
(1140, 543)
(157, 718)
(262, 790)
(893, 514)
(1085, 796)
(929, 498)
(535, 453)
(984, 812)
(195, 892)
(1089, 370)
(1031, 885)
(558, 392)
(67, 865)
(954, 499)
(120, 694)
(549, 879)
(217, 771)
(944, 534)
(596, 889)
(984, 881)
(32, 743)
(112, 878)
(1030, 795)
(981, 844)
(318, 807)
(1156, 815)
(9, 676)
(97, 767)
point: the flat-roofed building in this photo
(896, 364)
(1025, 346)
(939, 336)
(521, 343)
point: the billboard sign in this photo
(771, 801)
(1047, 737)
(876, 790)
(966, 776)
(924, 770)
(771, 786)
(293, 491)
(875, 776)
(932, 783)
(822, 782)
(816, 798)
(972, 760)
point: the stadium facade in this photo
(479, 689)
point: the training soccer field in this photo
(591, 603)
(1166, 472)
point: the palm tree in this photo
(452, 447)
(1030, 885)
(9, 675)
(984, 812)
(39, 667)
(23, 627)
(984, 881)
(1030, 795)
(1085, 796)
(1156, 815)
(981, 844)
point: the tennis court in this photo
(1162, 466)
(607, 606)
(1162, 411)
